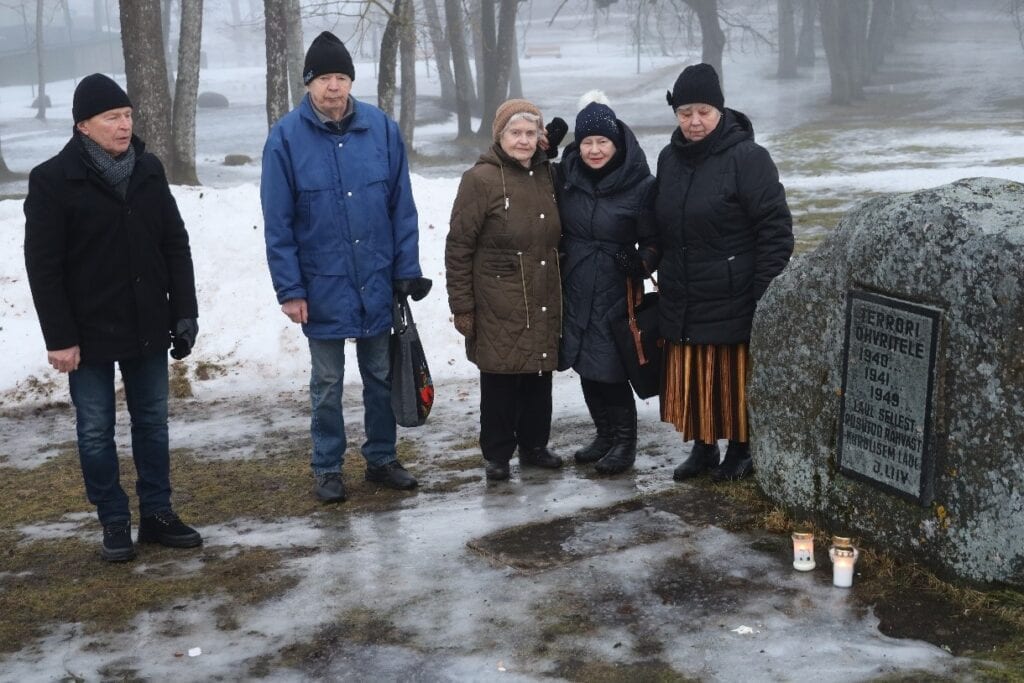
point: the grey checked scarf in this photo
(115, 172)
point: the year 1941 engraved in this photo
(887, 383)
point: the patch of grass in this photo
(65, 581)
(206, 370)
(595, 671)
(361, 626)
(178, 384)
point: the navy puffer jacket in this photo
(599, 217)
(725, 231)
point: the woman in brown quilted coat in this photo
(504, 288)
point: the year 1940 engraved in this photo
(887, 384)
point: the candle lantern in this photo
(844, 557)
(803, 551)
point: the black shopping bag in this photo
(637, 340)
(412, 388)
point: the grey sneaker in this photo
(329, 488)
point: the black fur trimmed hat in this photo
(96, 94)
(327, 55)
(698, 83)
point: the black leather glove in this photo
(556, 131)
(183, 337)
(629, 262)
(415, 288)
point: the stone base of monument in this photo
(887, 386)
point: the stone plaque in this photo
(886, 409)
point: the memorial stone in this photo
(887, 379)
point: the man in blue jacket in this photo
(342, 239)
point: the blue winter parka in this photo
(339, 219)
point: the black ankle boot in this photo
(622, 454)
(539, 456)
(702, 457)
(497, 471)
(737, 464)
(602, 443)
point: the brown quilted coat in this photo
(501, 258)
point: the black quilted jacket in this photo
(725, 231)
(598, 219)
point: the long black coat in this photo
(725, 231)
(110, 275)
(598, 219)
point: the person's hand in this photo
(415, 288)
(629, 262)
(65, 360)
(296, 310)
(553, 135)
(465, 323)
(183, 337)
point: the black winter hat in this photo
(698, 84)
(598, 119)
(327, 55)
(96, 94)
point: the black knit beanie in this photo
(327, 55)
(698, 84)
(96, 94)
(598, 119)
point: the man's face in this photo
(329, 93)
(111, 130)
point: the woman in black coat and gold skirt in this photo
(725, 231)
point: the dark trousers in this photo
(611, 394)
(145, 389)
(515, 410)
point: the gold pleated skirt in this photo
(704, 391)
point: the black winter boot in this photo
(603, 442)
(497, 471)
(622, 454)
(737, 463)
(539, 456)
(702, 457)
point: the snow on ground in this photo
(470, 616)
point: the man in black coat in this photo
(110, 270)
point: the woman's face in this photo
(596, 151)
(519, 140)
(697, 121)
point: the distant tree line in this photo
(474, 46)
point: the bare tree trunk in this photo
(98, 7)
(712, 37)
(837, 50)
(165, 27)
(236, 13)
(477, 31)
(855, 21)
(183, 171)
(787, 39)
(506, 52)
(386, 81)
(296, 50)
(146, 73)
(515, 78)
(489, 48)
(879, 33)
(5, 173)
(407, 49)
(460, 63)
(805, 47)
(276, 29)
(442, 50)
(41, 98)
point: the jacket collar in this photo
(359, 115)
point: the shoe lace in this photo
(115, 528)
(167, 517)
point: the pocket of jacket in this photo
(741, 273)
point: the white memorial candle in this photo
(803, 551)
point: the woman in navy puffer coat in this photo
(606, 204)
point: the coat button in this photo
(356, 242)
(543, 355)
(542, 215)
(341, 144)
(349, 194)
(543, 309)
(543, 263)
(531, 172)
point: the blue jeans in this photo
(145, 388)
(325, 389)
